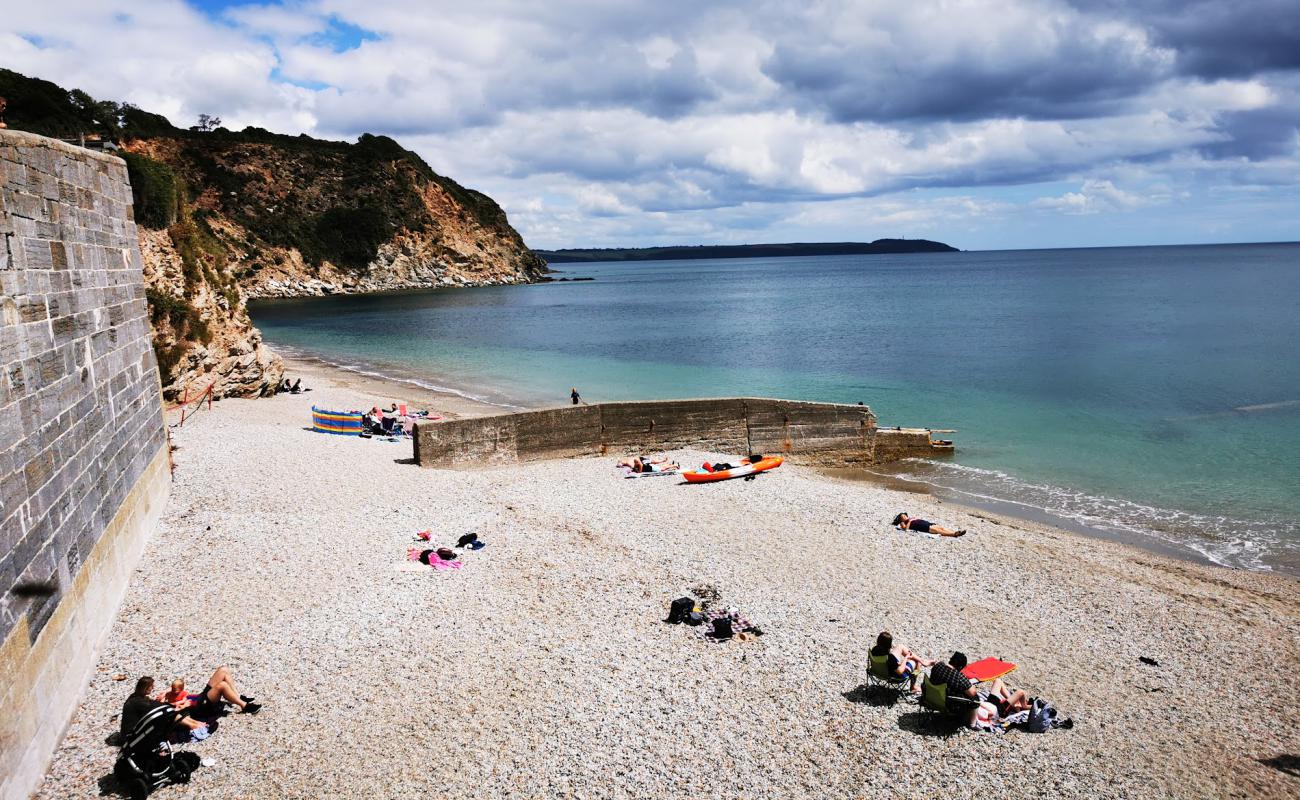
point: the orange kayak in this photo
(701, 476)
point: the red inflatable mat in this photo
(986, 669)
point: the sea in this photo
(1147, 394)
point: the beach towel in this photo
(926, 535)
(434, 560)
(628, 472)
(986, 669)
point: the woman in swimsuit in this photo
(904, 522)
(643, 464)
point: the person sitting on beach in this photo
(901, 661)
(907, 523)
(950, 673)
(643, 464)
(140, 703)
(220, 688)
(297, 386)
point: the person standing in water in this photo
(573, 393)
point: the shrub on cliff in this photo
(348, 237)
(155, 190)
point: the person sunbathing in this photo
(643, 464)
(907, 523)
(219, 688)
(901, 661)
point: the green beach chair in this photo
(879, 675)
(934, 696)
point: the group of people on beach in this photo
(386, 421)
(196, 714)
(990, 706)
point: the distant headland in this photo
(879, 246)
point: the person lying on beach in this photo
(219, 688)
(643, 464)
(907, 523)
(902, 662)
(950, 673)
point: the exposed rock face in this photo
(233, 360)
(261, 215)
(226, 215)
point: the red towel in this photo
(986, 669)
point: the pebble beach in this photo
(543, 667)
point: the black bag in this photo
(722, 628)
(183, 765)
(680, 610)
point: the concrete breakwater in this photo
(83, 459)
(826, 434)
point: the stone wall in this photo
(83, 460)
(820, 433)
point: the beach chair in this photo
(934, 696)
(879, 675)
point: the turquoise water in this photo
(1150, 392)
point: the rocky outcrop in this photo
(210, 341)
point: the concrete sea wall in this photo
(827, 434)
(83, 451)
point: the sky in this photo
(987, 125)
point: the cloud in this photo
(1094, 197)
(673, 118)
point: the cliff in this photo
(224, 216)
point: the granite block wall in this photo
(81, 431)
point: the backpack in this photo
(1041, 717)
(183, 765)
(680, 610)
(722, 628)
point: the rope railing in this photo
(185, 404)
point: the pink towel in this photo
(435, 561)
(438, 563)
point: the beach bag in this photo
(680, 610)
(722, 628)
(1041, 717)
(183, 765)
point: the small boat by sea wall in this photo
(825, 434)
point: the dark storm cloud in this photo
(1256, 135)
(1079, 74)
(1217, 38)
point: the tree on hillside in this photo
(207, 123)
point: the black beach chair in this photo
(147, 760)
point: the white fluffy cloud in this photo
(638, 122)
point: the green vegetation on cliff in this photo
(331, 201)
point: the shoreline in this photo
(544, 667)
(382, 390)
(454, 404)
